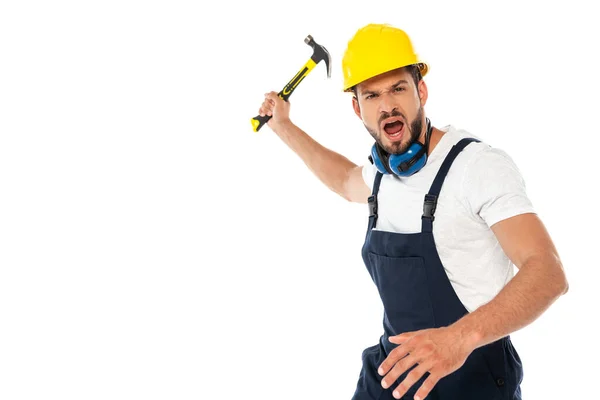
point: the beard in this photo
(414, 131)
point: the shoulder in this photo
(479, 158)
(491, 184)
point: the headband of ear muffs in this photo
(403, 164)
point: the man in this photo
(449, 217)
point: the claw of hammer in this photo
(320, 53)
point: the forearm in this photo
(330, 167)
(530, 292)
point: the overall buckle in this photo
(429, 206)
(372, 205)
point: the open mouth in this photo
(393, 128)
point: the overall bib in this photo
(417, 294)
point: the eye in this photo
(370, 96)
(400, 89)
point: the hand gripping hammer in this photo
(320, 53)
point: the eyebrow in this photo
(400, 82)
(394, 86)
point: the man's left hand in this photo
(439, 351)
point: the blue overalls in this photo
(417, 294)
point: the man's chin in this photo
(394, 148)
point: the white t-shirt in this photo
(483, 186)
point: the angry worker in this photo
(449, 217)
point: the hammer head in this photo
(320, 53)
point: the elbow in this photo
(563, 282)
(557, 272)
(565, 286)
(551, 270)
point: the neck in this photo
(436, 136)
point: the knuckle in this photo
(403, 387)
(444, 365)
(395, 369)
(433, 379)
(403, 363)
(427, 385)
(437, 365)
(413, 375)
(428, 347)
(398, 352)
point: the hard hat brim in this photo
(423, 68)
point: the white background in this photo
(153, 247)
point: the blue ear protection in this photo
(404, 164)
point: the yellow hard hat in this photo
(375, 49)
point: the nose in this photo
(386, 103)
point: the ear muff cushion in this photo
(396, 160)
(380, 159)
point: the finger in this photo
(404, 337)
(412, 378)
(397, 354)
(427, 386)
(273, 96)
(400, 368)
(267, 108)
(270, 105)
(264, 111)
(268, 101)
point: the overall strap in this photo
(430, 202)
(373, 201)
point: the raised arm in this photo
(336, 172)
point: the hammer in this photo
(320, 53)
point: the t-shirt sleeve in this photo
(368, 172)
(494, 187)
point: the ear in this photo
(423, 93)
(356, 107)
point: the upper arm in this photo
(522, 237)
(355, 187)
(497, 195)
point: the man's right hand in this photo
(277, 108)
